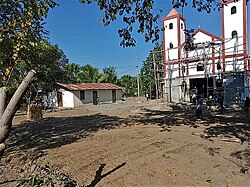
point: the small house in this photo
(76, 95)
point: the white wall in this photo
(182, 31)
(106, 95)
(231, 23)
(231, 63)
(171, 35)
(77, 101)
(118, 95)
(72, 99)
(67, 98)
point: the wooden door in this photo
(113, 96)
(95, 98)
(59, 99)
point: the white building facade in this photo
(215, 64)
(76, 95)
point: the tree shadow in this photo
(54, 132)
(99, 176)
(234, 125)
(230, 124)
(183, 114)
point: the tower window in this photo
(171, 45)
(234, 34)
(170, 26)
(181, 25)
(233, 10)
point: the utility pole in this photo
(155, 74)
(205, 59)
(169, 79)
(138, 82)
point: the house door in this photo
(94, 97)
(113, 96)
(59, 99)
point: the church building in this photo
(212, 64)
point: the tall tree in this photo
(72, 72)
(49, 61)
(130, 85)
(21, 26)
(109, 75)
(152, 70)
(89, 74)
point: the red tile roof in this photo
(90, 86)
(172, 13)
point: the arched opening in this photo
(233, 10)
(234, 34)
(171, 45)
(170, 25)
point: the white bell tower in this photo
(235, 35)
(173, 36)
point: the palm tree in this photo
(89, 74)
(109, 75)
(72, 72)
(130, 85)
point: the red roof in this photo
(223, 2)
(207, 33)
(172, 13)
(90, 86)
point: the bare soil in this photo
(133, 143)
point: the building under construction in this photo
(213, 64)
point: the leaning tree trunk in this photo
(10, 110)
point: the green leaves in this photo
(21, 27)
(75, 73)
(130, 84)
(109, 75)
(148, 70)
(88, 74)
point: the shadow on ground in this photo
(99, 176)
(54, 132)
(233, 124)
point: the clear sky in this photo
(77, 29)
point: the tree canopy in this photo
(152, 70)
(21, 27)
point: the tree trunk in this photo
(34, 112)
(9, 112)
(3, 92)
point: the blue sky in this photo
(77, 29)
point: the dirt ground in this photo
(131, 143)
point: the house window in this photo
(233, 10)
(82, 95)
(171, 45)
(234, 34)
(170, 26)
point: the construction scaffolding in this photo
(226, 75)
